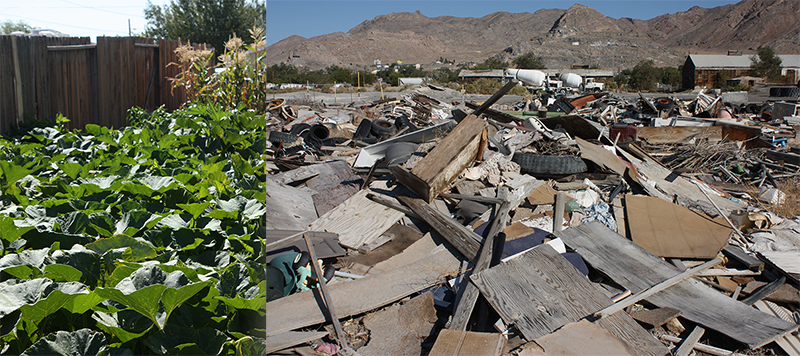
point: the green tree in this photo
(645, 75)
(529, 61)
(490, 63)
(205, 21)
(671, 76)
(444, 75)
(9, 26)
(767, 65)
(721, 79)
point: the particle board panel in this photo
(358, 220)
(361, 295)
(635, 269)
(540, 291)
(291, 338)
(335, 183)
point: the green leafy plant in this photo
(139, 240)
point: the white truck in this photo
(590, 84)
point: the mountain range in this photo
(579, 35)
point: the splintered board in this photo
(540, 291)
(635, 269)
(358, 220)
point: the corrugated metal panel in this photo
(721, 61)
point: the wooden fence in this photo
(88, 83)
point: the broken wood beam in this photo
(446, 161)
(477, 198)
(465, 301)
(656, 288)
(341, 338)
(558, 219)
(764, 291)
(386, 202)
(690, 341)
(790, 158)
(466, 241)
(736, 253)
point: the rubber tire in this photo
(548, 164)
(364, 130)
(300, 130)
(664, 103)
(319, 131)
(281, 137)
(383, 128)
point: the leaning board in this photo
(635, 269)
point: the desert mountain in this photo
(578, 35)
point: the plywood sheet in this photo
(633, 268)
(335, 183)
(289, 208)
(670, 230)
(358, 220)
(360, 295)
(540, 291)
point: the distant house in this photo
(700, 70)
(411, 81)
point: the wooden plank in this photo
(290, 208)
(740, 256)
(358, 220)
(360, 295)
(330, 311)
(17, 78)
(540, 291)
(447, 160)
(635, 269)
(467, 343)
(790, 343)
(690, 341)
(291, 338)
(656, 288)
(466, 298)
(783, 156)
(466, 241)
(676, 134)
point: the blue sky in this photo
(309, 18)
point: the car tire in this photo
(281, 137)
(383, 128)
(549, 164)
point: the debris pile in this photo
(591, 224)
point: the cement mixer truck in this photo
(568, 82)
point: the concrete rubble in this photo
(594, 223)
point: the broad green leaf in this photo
(195, 209)
(44, 307)
(144, 301)
(23, 272)
(209, 340)
(62, 273)
(9, 231)
(84, 342)
(139, 250)
(73, 223)
(12, 172)
(71, 169)
(95, 130)
(241, 303)
(81, 303)
(120, 272)
(234, 280)
(172, 298)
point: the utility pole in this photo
(129, 28)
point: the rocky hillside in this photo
(578, 35)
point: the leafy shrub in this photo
(142, 240)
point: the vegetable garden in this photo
(140, 240)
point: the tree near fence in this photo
(766, 65)
(9, 26)
(205, 21)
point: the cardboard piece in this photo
(670, 230)
(583, 338)
(543, 194)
